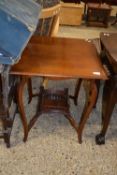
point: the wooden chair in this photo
(48, 26)
(7, 116)
(48, 21)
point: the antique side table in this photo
(59, 57)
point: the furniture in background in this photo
(109, 2)
(71, 1)
(115, 21)
(71, 13)
(18, 20)
(98, 14)
(109, 49)
(54, 57)
(48, 26)
(48, 21)
(7, 116)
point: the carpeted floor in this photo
(52, 147)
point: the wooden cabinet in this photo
(98, 14)
(71, 13)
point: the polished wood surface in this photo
(48, 26)
(109, 49)
(109, 43)
(60, 57)
(98, 14)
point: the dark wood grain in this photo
(109, 49)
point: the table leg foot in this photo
(100, 139)
(7, 140)
(25, 138)
(79, 138)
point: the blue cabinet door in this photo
(18, 21)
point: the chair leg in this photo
(72, 122)
(7, 139)
(77, 89)
(6, 133)
(7, 124)
(88, 108)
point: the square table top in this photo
(60, 57)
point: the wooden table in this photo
(60, 57)
(98, 14)
(109, 48)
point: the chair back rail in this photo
(49, 21)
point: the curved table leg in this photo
(72, 121)
(98, 88)
(77, 89)
(30, 93)
(20, 91)
(30, 90)
(108, 103)
(92, 95)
